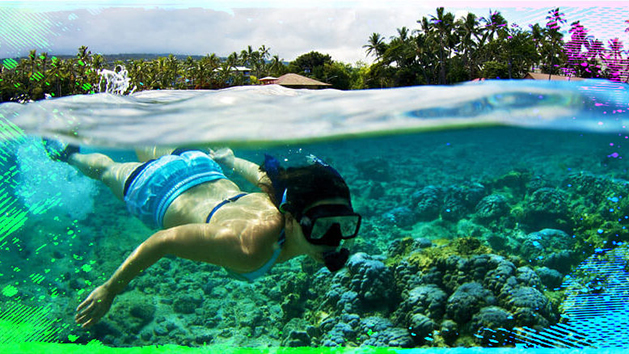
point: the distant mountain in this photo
(125, 56)
(146, 56)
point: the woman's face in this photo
(314, 251)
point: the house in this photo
(546, 77)
(300, 82)
(268, 80)
(243, 70)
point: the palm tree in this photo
(188, 69)
(538, 33)
(32, 59)
(401, 55)
(264, 51)
(492, 29)
(208, 70)
(376, 46)
(172, 71)
(575, 57)
(443, 24)
(403, 34)
(55, 73)
(246, 56)
(82, 68)
(263, 56)
(493, 23)
(469, 33)
(425, 56)
(614, 60)
(554, 41)
(276, 67)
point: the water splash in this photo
(45, 186)
(116, 81)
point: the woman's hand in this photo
(94, 307)
(224, 157)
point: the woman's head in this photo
(296, 188)
(305, 186)
(318, 198)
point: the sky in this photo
(289, 28)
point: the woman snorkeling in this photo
(203, 216)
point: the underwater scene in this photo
(491, 221)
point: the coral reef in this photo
(453, 251)
(427, 202)
(460, 200)
(492, 207)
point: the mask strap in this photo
(283, 203)
(272, 167)
(312, 159)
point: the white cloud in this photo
(288, 28)
(288, 32)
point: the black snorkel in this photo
(335, 260)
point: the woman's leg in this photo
(101, 167)
(145, 154)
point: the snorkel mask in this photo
(329, 224)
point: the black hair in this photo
(306, 185)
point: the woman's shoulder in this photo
(261, 199)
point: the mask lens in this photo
(347, 225)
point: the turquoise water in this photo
(494, 216)
(273, 115)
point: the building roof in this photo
(234, 68)
(298, 81)
(540, 76)
(268, 78)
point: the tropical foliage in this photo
(442, 49)
(446, 50)
(41, 75)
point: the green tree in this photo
(469, 33)
(515, 50)
(277, 67)
(495, 70)
(442, 26)
(401, 54)
(426, 53)
(376, 46)
(310, 64)
(538, 34)
(553, 56)
(339, 75)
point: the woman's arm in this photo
(249, 170)
(239, 247)
(92, 309)
(144, 256)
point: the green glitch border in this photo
(96, 347)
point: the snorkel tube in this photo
(335, 260)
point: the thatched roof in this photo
(540, 76)
(298, 81)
